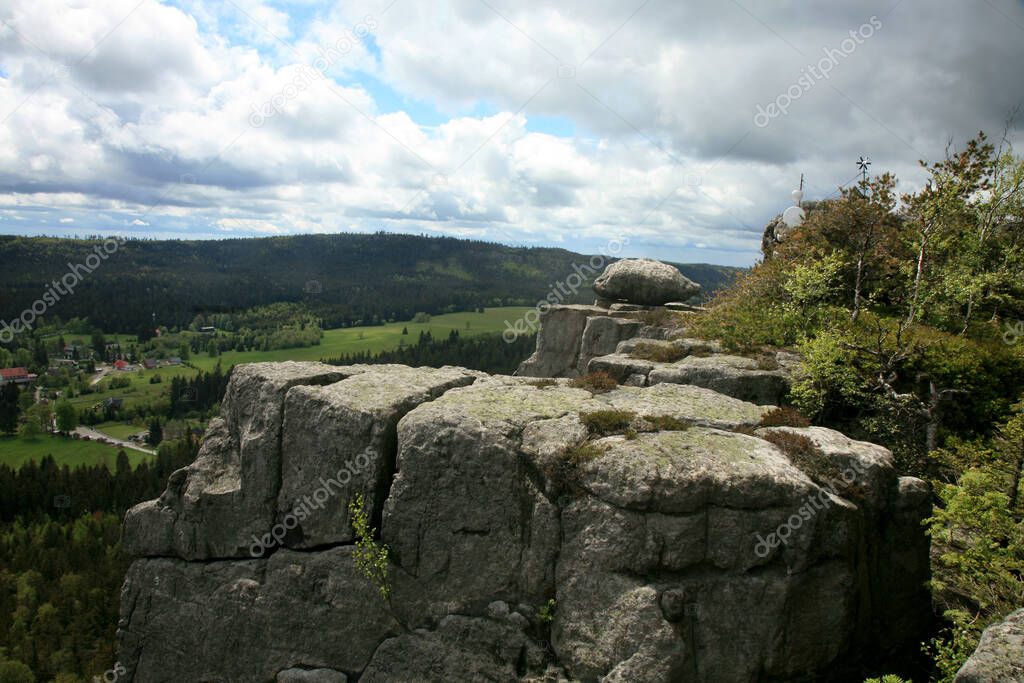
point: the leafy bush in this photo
(370, 557)
(979, 576)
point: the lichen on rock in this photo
(650, 565)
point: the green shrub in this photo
(546, 613)
(370, 557)
(979, 576)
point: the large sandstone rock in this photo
(764, 381)
(460, 649)
(464, 492)
(559, 341)
(690, 404)
(693, 554)
(601, 335)
(999, 657)
(656, 576)
(644, 281)
(736, 376)
(214, 507)
(248, 620)
(352, 450)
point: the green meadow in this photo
(373, 339)
(16, 451)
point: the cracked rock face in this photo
(747, 379)
(351, 451)
(213, 508)
(690, 554)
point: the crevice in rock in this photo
(389, 469)
(271, 502)
(322, 547)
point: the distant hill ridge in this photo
(345, 279)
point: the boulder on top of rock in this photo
(644, 281)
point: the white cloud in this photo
(454, 126)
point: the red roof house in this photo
(16, 375)
(120, 364)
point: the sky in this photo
(678, 129)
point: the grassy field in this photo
(86, 340)
(16, 451)
(374, 339)
(140, 391)
(119, 430)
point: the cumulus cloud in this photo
(516, 122)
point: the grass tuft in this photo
(598, 382)
(606, 422)
(785, 416)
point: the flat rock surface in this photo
(696, 405)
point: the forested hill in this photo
(344, 278)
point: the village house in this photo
(19, 376)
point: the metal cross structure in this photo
(862, 164)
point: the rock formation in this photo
(645, 282)
(530, 537)
(536, 531)
(575, 340)
(999, 657)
